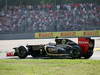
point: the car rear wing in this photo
(86, 44)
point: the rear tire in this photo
(76, 52)
(89, 54)
(22, 52)
(90, 51)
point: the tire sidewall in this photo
(22, 52)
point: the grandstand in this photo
(23, 16)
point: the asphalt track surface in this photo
(7, 45)
(95, 56)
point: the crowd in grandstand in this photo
(41, 18)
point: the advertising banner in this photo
(68, 34)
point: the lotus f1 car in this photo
(61, 48)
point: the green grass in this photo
(49, 67)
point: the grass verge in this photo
(49, 67)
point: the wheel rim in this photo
(22, 53)
(76, 52)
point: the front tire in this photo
(22, 52)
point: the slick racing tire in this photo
(76, 52)
(22, 52)
(90, 51)
(89, 54)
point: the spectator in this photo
(67, 17)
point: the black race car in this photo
(61, 48)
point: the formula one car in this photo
(61, 48)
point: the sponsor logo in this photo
(65, 34)
(83, 42)
(52, 50)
